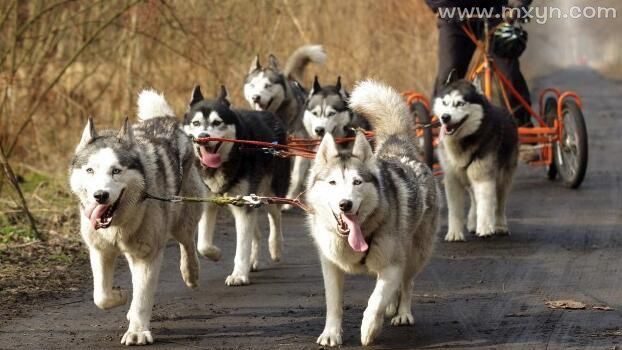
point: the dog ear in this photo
(126, 133)
(273, 63)
(255, 65)
(326, 150)
(316, 86)
(340, 88)
(451, 77)
(222, 96)
(197, 96)
(362, 149)
(88, 134)
(478, 87)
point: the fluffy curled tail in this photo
(152, 104)
(384, 108)
(299, 59)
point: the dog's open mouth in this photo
(210, 158)
(263, 106)
(451, 129)
(101, 215)
(348, 227)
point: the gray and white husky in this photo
(327, 111)
(235, 169)
(373, 212)
(110, 174)
(478, 153)
(280, 92)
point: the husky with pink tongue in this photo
(111, 173)
(373, 212)
(235, 169)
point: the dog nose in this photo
(445, 118)
(256, 98)
(345, 205)
(101, 197)
(203, 134)
(320, 131)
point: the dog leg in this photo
(501, 224)
(486, 200)
(387, 285)
(404, 315)
(275, 241)
(189, 262)
(333, 289)
(245, 222)
(255, 249)
(207, 226)
(472, 217)
(298, 177)
(455, 206)
(102, 264)
(145, 275)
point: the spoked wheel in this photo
(422, 117)
(571, 153)
(550, 114)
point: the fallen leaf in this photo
(603, 308)
(565, 304)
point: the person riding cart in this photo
(455, 49)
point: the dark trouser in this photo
(455, 51)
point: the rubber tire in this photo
(570, 109)
(550, 114)
(422, 116)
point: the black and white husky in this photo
(327, 111)
(110, 174)
(235, 169)
(372, 212)
(279, 91)
(478, 153)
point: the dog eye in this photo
(267, 86)
(196, 123)
(445, 103)
(332, 182)
(116, 171)
(357, 182)
(90, 170)
(216, 122)
(459, 104)
(331, 113)
(314, 113)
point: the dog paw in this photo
(485, 230)
(403, 319)
(276, 249)
(454, 236)
(485, 233)
(137, 338)
(116, 297)
(370, 328)
(255, 266)
(391, 309)
(329, 337)
(211, 252)
(237, 280)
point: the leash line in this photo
(251, 201)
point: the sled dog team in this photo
(374, 208)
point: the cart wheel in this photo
(422, 116)
(571, 152)
(550, 114)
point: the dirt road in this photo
(566, 244)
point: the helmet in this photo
(509, 40)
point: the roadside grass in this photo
(33, 270)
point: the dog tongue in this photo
(355, 237)
(95, 212)
(208, 159)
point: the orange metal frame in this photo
(542, 134)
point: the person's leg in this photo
(511, 69)
(455, 51)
